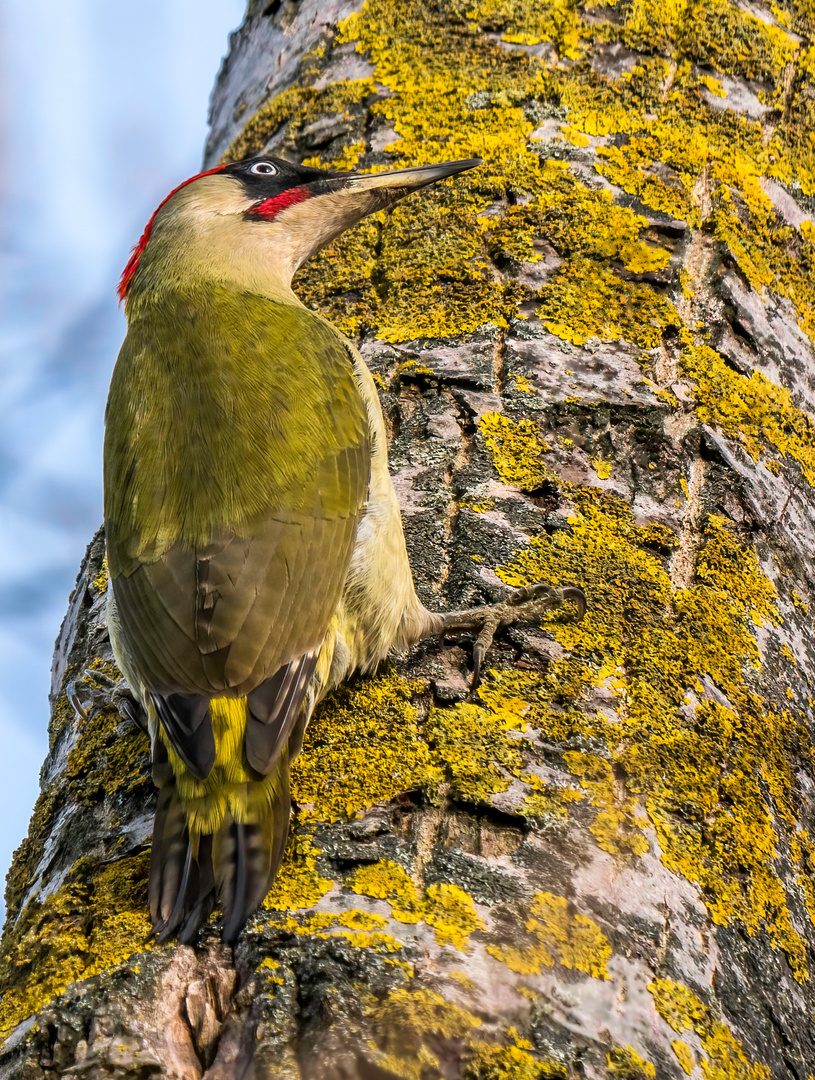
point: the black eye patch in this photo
(265, 185)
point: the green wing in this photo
(236, 466)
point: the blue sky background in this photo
(104, 109)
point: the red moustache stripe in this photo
(270, 208)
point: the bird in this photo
(254, 541)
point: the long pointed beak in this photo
(338, 202)
(407, 180)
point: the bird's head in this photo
(254, 222)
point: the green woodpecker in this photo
(254, 540)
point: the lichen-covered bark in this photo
(594, 357)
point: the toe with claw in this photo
(523, 605)
(105, 692)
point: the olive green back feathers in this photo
(236, 467)
(234, 476)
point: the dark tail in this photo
(247, 856)
(237, 864)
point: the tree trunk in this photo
(595, 362)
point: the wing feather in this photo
(235, 475)
(274, 709)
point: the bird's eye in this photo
(263, 168)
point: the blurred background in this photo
(104, 110)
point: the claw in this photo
(73, 697)
(481, 647)
(577, 596)
(129, 707)
(131, 710)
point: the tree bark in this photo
(595, 362)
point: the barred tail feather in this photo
(169, 857)
(202, 888)
(247, 855)
(181, 886)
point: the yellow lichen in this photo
(517, 450)
(525, 24)
(624, 1063)
(362, 929)
(386, 880)
(589, 300)
(110, 757)
(472, 741)
(270, 967)
(615, 826)
(602, 468)
(713, 85)
(683, 1010)
(723, 36)
(362, 920)
(363, 747)
(523, 384)
(753, 410)
(684, 1055)
(451, 913)
(490, 1062)
(100, 582)
(346, 161)
(548, 801)
(678, 1005)
(445, 907)
(462, 979)
(298, 884)
(425, 1011)
(93, 922)
(712, 819)
(556, 935)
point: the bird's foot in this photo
(105, 693)
(521, 606)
